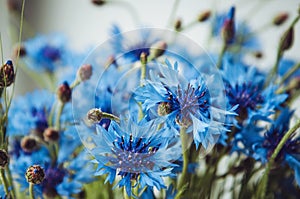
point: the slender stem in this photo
(4, 181)
(10, 182)
(110, 116)
(59, 112)
(184, 140)
(264, 181)
(31, 192)
(223, 50)
(125, 195)
(290, 73)
(173, 12)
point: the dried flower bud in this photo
(64, 92)
(19, 49)
(98, 2)
(94, 115)
(85, 72)
(203, 16)
(287, 39)
(178, 25)
(158, 49)
(51, 135)
(35, 174)
(258, 54)
(280, 18)
(143, 58)
(164, 108)
(110, 60)
(228, 28)
(3, 158)
(7, 74)
(29, 144)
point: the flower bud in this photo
(35, 174)
(287, 40)
(51, 135)
(228, 28)
(7, 74)
(94, 115)
(29, 144)
(164, 108)
(158, 49)
(19, 50)
(258, 54)
(280, 18)
(85, 72)
(98, 2)
(110, 60)
(178, 25)
(203, 16)
(64, 92)
(3, 158)
(143, 58)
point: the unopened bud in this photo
(111, 60)
(258, 54)
(29, 144)
(178, 25)
(280, 18)
(228, 28)
(164, 108)
(158, 49)
(85, 72)
(203, 16)
(19, 50)
(287, 39)
(64, 92)
(35, 174)
(3, 158)
(99, 2)
(7, 74)
(51, 135)
(143, 58)
(94, 115)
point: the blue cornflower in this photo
(182, 103)
(244, 36)
(260, 143)
(45, 52)
(129, 49)
(30, 113)
(63, 177)
(245, 86)
(136, 151)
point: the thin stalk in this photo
(110, 116)
(10, 182)
(264, 181)
(223, 50)
(4, 181)
(31, 192)
(59, 112)
(173, 12)
(183, 180)
(290, 73)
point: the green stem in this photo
(31, 192)
(10, 182)
(110, 116)
(125, 195)
(4, 181)
(264, 181)
(183, 180)
(223, 50)
(173, 12)
(290, 73)
(59, 112)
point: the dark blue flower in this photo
(244, 86)
(136, 151)
(183, 103)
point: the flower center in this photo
(132, 156)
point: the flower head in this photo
(135, 151)
(181, 103)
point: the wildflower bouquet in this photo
(150, 113)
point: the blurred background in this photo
(86, 23)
